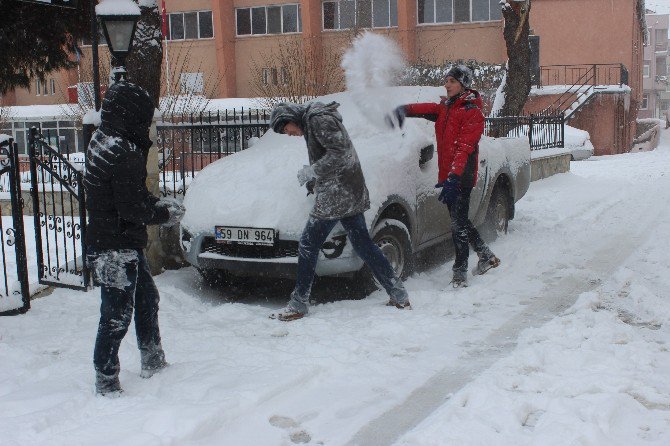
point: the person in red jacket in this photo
(459, 124)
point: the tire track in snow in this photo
(610, 252)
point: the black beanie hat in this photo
(462, 74)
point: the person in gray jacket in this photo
(335, 176)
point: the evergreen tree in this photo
(37, 39)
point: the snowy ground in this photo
(565, 343)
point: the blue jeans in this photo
(314, 235)
(125, 285)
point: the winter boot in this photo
(107, 385)
(487, 260)
(460, 279)
(153, 361)
(287, 314)
(405, 306)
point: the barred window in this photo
(277, 19)
(347, 14)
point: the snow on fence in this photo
(44, 179)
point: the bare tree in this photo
(144, 62)
(288, 73)
(518, 80)
(85, 88)
(183, 95)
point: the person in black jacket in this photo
(119, 208)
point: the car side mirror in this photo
(426, 154)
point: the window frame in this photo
(338, 18)
(453, 15)
(298, 24)
(644, 104)
(183, 24)
(646, 69)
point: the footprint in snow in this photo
(296, 434)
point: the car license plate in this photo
(245, 236)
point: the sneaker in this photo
(460, 279)
(287, 314)
(485, 264)
(405, 306)
(108, 386)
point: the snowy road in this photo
(565, 343)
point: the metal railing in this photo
(543, 130)
(580, 81)
(188, 143)
(598, 74)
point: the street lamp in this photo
(119, 21)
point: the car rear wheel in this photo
(498, 214)
(392, 238)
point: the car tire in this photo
(497, 214)
(392, 237)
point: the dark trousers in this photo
(119, 297)
(463, 231)
(315, 233)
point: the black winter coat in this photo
(118, 204)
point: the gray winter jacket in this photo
(340, 187)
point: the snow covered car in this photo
(245, 213)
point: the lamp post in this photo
(119, 21)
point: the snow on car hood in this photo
(258, 186)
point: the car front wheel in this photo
(392, 238)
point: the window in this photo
(52, 83)
(268, 20)
(243, 21)
(645, 102)
(190, 25)
(274, 76)
(63, 134)
(661, 36)
(38, 87)
(661, 67)
(191, 83)
(205, 24)
(176, 26)
(284, 76)
(646, 69)
(458, 11)
(347, 14)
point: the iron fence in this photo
(188, 143)
(543, 131)
(598, 74)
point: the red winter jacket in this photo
(459, 124)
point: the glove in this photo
(310, 186)
(305, 174)
(397, 115)
(451, 187)
(174, 208)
